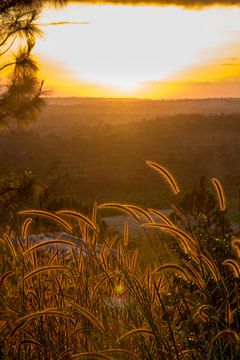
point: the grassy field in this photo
(101, 297)
(162, 285)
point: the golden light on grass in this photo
(25, 227)
(125, 208)
(44, 269)
(79, 216)
(135, 332)
(51, 242)
(163, 217)
(220, 194)
(47, 215)
(234, 266)
(174, 268)
(166, 175)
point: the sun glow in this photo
(128, 50)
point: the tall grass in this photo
(63, 299)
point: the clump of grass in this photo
(86, 299)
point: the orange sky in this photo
(140, 51)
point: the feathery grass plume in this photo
(4, 277)
(107, 247)
(166, 174)
(48, 215)
(198, 279)
(125, 237)
(234, 266)
(228, 315)
(29, 341)
(50, 242)
(134, 332)
(87, 315)
(180, 215)
(10, 244)
(212, 267)
(84, 234)
(236, 247)
(119, 351)
(42, 269)
(174, 267)
(92, 355)
(124, 208)
(24, 319)
(133, 260)
(25, 227)
(21, 244)
(94, 221)
(201, 312)
(141, 211)
(220, 194)
(197, 257)
(106, 277)
(175, 231)
(227, 333)
(3, 323)
(163, 217)
(94, 213)
(79, 216)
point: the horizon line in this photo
(140, 99)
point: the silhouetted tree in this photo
(20, 96)
(17, 192)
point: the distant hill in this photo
(61, 114)
(95, 149)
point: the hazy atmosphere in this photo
(141, 51)
(119, 180)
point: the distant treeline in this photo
(106, 161)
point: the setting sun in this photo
(141, 51)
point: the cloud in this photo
(182, 3)
(229, 64)
(57, 23)
(233, 59)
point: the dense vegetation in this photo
(95, 299)
(89, 159)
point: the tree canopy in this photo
(20, 94)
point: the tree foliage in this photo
(209, 225)
(20, 95)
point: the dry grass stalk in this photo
(47, 215)
(25, 227)
(173, 267)
(134, 333)
(234, 266)
(220, 193)
(125, 235)
(166, 174)
(121, 207)
(10, 244)
(43, 269)
(91, 355)
(78, 216)
(163, 217)
(187, 240)
(143, 212)
(87, 314)
(51, 242)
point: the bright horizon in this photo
(140, 51)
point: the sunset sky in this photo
(140, 51)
